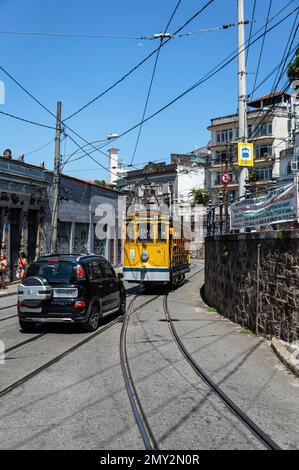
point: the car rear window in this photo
(61, 271)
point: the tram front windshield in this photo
(145, 232)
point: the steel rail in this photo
(8, 306)
(139, 414)
(230, 404)
(7, 318)
(56, 359)
(23, 343)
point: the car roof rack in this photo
(78, 256)
(88, 256)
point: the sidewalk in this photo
(11, 289)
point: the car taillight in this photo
(80, 272)
(19, 303)
(80, 304)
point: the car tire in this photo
(123, 304)
(93, 319)
(27, 327)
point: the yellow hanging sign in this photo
(245, 154)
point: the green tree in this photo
(293, 69)
(199, 196)
(253, 176)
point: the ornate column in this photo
(90, 244)
(24, 231)
(72, 238)
(40, 239)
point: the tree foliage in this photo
(199, 196)
(293, 69)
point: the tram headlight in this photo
(144, 256)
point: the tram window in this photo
(162, 231)
(130, 232)
(145, 232)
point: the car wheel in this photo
(27, 327)
(93, 320)
(123, 305)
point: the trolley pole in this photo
(56, 181)
(242, 107)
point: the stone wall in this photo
(253, 279)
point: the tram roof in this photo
(150, 215)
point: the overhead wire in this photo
(285, 57)
(195, 15)
(213, 71)
(39, 148)
(152, 80)
(251, 27)
(18, 118)
(262, 46)
(206, 77)
(100, 95)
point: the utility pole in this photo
(56, 181)
(243, 171)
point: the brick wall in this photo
(253, 279)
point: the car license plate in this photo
(65, 293)
(30, 309)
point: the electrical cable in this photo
(251, 27)
(18, 118)
(151, 82)
(262, 47)
(138, 65)
(215, 70)
(206, 77)
(39, 148)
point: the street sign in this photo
(225, 178)
(245, 154)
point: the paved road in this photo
(81, 401)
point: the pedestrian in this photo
(3, 269)
(22, 266)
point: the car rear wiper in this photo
(58, 282)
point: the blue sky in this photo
(75, 70)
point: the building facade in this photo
(22, 209)
(155, 183)
(90, 217)
(269, 123)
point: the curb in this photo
(286, 354)
(7, 294)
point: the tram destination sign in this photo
(278, 206)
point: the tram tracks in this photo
(146, 432)
(264, 438)
(60, 356)
(139, 414)
(56, 359)
(142, 422)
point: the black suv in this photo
(70, 289)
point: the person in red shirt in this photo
(3, 269)
(22, 266)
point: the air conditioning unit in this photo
(295, 166)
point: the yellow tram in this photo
(155, 250)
